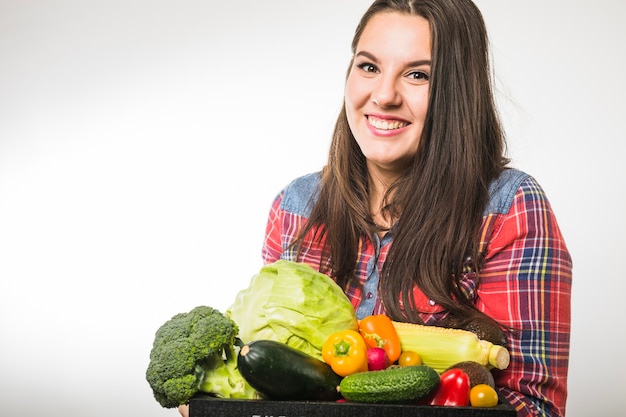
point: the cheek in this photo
(356, 95)
(419, 105)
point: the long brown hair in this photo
(441, 197)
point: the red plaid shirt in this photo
(525, 281)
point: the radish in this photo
(377, 359)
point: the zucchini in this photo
(391, 385)
(281, 372)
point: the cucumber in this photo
(391, 385)
(281, 372)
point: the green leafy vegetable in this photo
(294, 304)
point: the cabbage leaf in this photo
(294, 304)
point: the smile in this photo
(386, 124)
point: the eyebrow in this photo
(417, 63)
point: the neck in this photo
(379, 186)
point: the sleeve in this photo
(525, 284)
(272, 244)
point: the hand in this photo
(184, 410)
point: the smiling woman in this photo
(417, 214)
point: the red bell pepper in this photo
(453, 390)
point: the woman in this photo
(416, 214)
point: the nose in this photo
(386, 93)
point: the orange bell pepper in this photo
(378, 331)
(346, 353)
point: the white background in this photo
(142, 142)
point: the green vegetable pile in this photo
(286, 302)
(196, 351)
(294, 304)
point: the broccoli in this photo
(196, 352)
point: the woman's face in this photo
(386, 94)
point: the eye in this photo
(419, 77)
(367, 67)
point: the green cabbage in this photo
(292, 303)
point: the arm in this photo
(272, 244)
(525, 283)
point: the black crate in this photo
(206, 406)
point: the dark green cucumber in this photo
(391, 385)
(281, 372)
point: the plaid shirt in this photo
(525, 281)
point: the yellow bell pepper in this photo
(346, 352)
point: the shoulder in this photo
(301, 193)
(503, 190)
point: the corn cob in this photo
(442, 347)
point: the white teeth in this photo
(386, 124)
